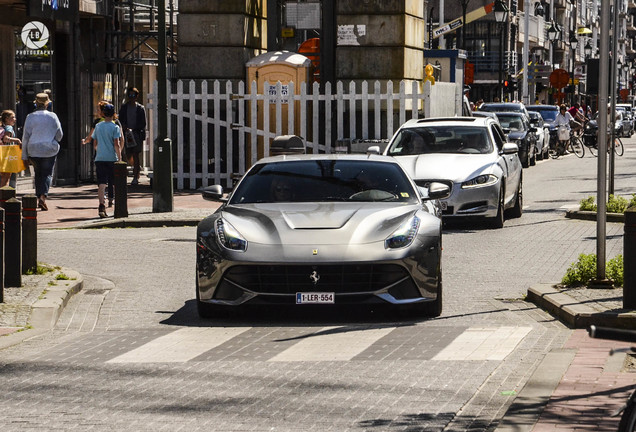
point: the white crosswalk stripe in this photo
(484, 343)
(180, 346)
(332, 344)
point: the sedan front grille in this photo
(290, 279)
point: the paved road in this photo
(129, 352)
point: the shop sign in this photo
(63, 10)
(35, 37)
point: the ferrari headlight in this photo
(480, 181)
(404, 235)
(229, 237)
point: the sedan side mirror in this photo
(510, 148)
(373, 150)
(213, 193)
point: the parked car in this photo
(485, 114)
(626, 122)
(517, 126)
(471, 156)
(504, 107)
(321, 230)
(542, 133)
(548, 112)
(631, 111)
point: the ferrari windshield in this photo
(441, 139)
(324, 180)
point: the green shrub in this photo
(587, 204)
(614, 270)
(616, 204)
(580, 272)
(584, 270)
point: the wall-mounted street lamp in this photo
(574, 43)
(538, 9)
(554, 32)
(501, 16)
(588, 49)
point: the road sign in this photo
(559, 78)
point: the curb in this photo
(47, 309)
(139, 223)
(591, 215)
(575, 314)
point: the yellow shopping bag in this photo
(11, 159)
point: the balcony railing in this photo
(536, 29)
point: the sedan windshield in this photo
(513, 123)
(441, 139)
(324, 181)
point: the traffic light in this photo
(514, 83)
(506, 85)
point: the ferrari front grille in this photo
(290, 279)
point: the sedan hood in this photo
(319, 223)
(446, 166)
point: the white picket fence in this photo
(216, 134)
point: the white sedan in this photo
(542, 133)
(471, 156)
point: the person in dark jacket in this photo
(132, 116)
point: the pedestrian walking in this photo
(133, 119)
(107, 135)
(41, 144)
(89, 139)
(7, 136)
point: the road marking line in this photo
(484, 343)
(332, 344)
(180, 346)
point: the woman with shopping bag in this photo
(41, 144)
(10, 159)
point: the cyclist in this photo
(562, 120)
(578, 119)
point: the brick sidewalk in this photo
(594, 387)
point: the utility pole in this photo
(526, 50)
(603, 80)
(162, 190)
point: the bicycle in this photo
(571, 144)
(628, 418)
(619, 149)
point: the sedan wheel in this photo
(498, 221)
(517, 210)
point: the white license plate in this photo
(315, 298)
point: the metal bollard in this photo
(6, 192)
(1, 255)
(13, 243)
(29, 233)
(629, 260)
(121, 191)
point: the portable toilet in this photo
(271, 68)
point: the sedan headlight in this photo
(229, 237)
(480, 181)
(404, 235)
